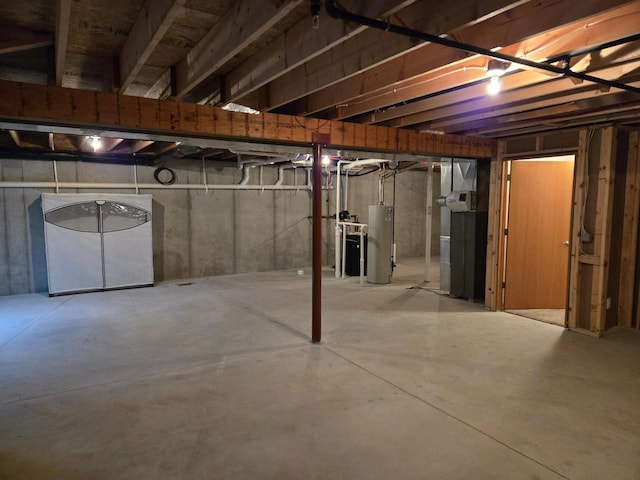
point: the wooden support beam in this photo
(50, 105)
(629, 251)
(577, 216)
(602, 232)
(154, 19)
(246, 21)
(493, 283)
(15, 136)
(63, 15)
(301, 43)
(26, 43)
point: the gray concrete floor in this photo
(217, 380)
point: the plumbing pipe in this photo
(280, 176)
(343, 264)
(55, 175)
(135, 177)
(204, 176)
(245, 174)
(338, 234)
(148, 186)
(428, 223)
(336, 11)
(361, 256)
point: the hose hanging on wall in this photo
(169, 181)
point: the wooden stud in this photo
(602, 234)
(629, 234)
(492, 283)
(579, 191)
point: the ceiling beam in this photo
(51, 106)
(242, 25)
(506, 29)
(613, 109)
(15, 136)
(299, 44)
(594, 31)
(63, 15)
(153, 21)
(371, 47)
(26, 43)
(517, 88)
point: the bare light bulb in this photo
(95, 142)
(494, 85)
(326, 160)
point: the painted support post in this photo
(316, 283)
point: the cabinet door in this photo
(128, 258)
(74, 251)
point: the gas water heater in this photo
(380, 244)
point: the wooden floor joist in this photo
(51, 105)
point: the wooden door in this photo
(539, 223)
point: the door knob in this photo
(566, 243)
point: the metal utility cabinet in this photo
(97, 241)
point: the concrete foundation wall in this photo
(198, 233)
(410, 208)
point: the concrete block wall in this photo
(198, 233)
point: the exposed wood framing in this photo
(27, 43)
(243, 24)
(602, 233)
(300, 44)
(63, 15)
(371, 47)
(382, 83)
(50, 105)
(15, 136)
(154, 19)
(493, 282)
(579, 192)
(628, 272)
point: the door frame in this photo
(499, 210)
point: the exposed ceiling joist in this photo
(242, 25)
(63, 15)
(15, 136)
(372, 47)
(299, 44)
(26, 43)
(151, 25)
(499, 31)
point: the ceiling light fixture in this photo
(235, 107)
(495, 69)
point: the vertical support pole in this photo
(428, 223)
(316, 282)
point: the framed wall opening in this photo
(537, 237)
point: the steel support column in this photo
(316, 283)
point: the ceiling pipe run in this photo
(336, 11)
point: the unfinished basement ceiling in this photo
(267, 56)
